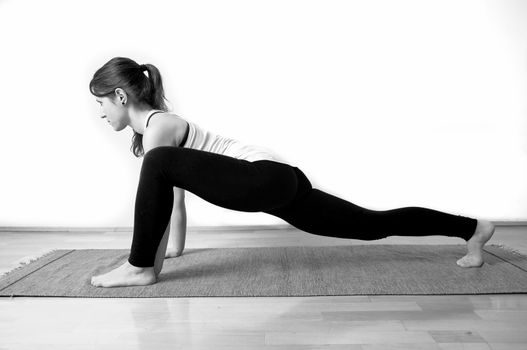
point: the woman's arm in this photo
(178, 224)
(175, 232)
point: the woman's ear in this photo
(120, 95)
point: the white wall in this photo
(383, 103)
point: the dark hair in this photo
(125, 73)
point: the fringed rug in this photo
(279, 271)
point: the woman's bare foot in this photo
(125, 275)
(474, 257)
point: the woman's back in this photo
(205, 140)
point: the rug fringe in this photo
(27, 260)
(509, 250)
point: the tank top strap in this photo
(185, 137)
(150, 116)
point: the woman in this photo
(179, 155)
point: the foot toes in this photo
(470, 261)
(95, 281)
(461, 262)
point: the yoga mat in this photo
(279, 271)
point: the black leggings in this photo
(272, 187)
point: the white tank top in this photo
(204, 140)
(201, 139)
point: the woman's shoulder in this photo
(168, 124)
(166, 120)
(167, 117)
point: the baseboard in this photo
(509, 223)
(129, 229)
(189, 228)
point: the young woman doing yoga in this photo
(181, 156)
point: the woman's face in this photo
(113, 112)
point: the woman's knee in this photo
(158, 153)
(156, 161)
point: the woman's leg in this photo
(321, 213)
(221, 180)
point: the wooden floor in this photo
(344, 322)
